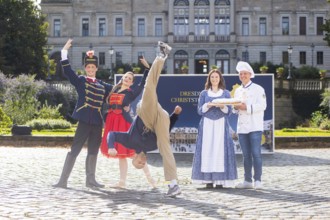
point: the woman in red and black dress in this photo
(119, 119)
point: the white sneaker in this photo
(258, 185)
(244, 185)
(164, 48)
(173, 191)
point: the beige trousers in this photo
(157, 119)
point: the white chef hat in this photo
(244, 66)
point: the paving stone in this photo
(296, 186)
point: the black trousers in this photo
(91, 133)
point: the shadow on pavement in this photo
(276, 195)
(153, 199)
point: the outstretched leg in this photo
(149, 98)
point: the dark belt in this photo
(115, 106)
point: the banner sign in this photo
(184, 90)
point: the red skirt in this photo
(116, 122)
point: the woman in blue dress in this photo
(214, 162)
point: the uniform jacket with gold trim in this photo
(91, 96)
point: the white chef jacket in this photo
(251, 119)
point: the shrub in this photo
(42, 124)
(307, 72)
(21, 102)
(5, 122)
(54, 97)
(317, 118)
(325, 125)
(326, 99)
(3, 86)
(102, 74)
(50, 112)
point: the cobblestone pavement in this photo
(297, 186)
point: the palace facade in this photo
(202, 33)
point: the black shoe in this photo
(219, 186)
(209, 186)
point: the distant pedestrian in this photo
(250, 124)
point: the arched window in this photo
(181, 3)
(201, 62)
(180, 60)
(222, 2)
(222, 58)
(202, 2)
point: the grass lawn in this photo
(286, 132)
(302, 132)
(278, 133)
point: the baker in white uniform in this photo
(250, 125)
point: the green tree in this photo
(23, 33)
(326, 29)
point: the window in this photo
(302, 57)
(202, 26)
(180, 60)
(222, 25)
(319, 23)
(263, 57)
(245, 56)
(57, 28)
(285, 26)
(85, 27)
(302, 25)
(245, 26)
(141, 27)
(181, 20)
(262, 26)
(102, 27)
(158, 27)
(102, 58)
(319, 58)
(119, 27)
(285, 57)
(119, 58)
(181, 26)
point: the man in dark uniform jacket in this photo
(150, 128)
(91, 96)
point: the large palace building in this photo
(202, 32)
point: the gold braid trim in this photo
(93, 100)
(96, 94)
(86, 104)
(94, 87)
